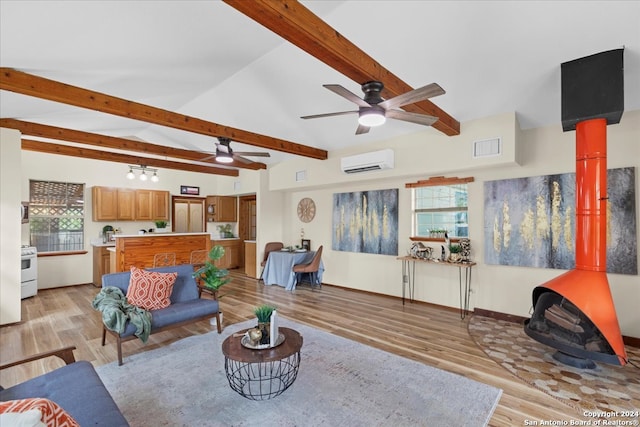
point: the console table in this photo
(409, 278)
(265, 373)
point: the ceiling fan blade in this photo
(347, 94)
(316, 116)
(252, 153)
(213, 156)
(406, 116)
(362, 129)
(241, 159)
(413, 96)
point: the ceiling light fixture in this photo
(371, 116)
(143, 173)
(223, 156)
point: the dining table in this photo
(278, 269)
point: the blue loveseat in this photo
(186, 305)
(75, 387)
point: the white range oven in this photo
(28, 271)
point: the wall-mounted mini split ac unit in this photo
(365, 162)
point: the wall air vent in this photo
(487, 148)
(375, 160)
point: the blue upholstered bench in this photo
(186, 305)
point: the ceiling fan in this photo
(373, 110)
(224, 153)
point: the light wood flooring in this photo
(433, 335)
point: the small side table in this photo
(262, 374)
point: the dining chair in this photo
(198, 258)
(164, 259)
(311, 269)
(269, 247)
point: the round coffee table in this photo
(262, 374)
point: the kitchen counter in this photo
(102, 245)
(119, 236)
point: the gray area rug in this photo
(340, 383)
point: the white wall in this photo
(10, 198)
(497, 288)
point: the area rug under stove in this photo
(607, 388)
(340, 383)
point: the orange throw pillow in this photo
(149, 289)
(52, 414)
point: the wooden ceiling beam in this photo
(104, 141)
(40, 87)
(298, 25)
(86, 153)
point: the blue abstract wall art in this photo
(366, 221)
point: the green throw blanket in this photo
(116, 311)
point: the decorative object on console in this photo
(306, 209)
(143, 173)
(306, 244)
(454, 252)
(465, 249)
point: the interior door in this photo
(188, 214)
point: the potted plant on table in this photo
(161, 225)
(263, 313)
(454, 252)
(210, 278)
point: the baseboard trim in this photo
(630, 341)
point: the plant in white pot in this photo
(161, 226)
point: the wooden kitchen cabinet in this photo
(152, 205)
(124, 204)
(222, 209)
(231, 258)
(104, 203)
(101, 264)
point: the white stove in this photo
(28, 271)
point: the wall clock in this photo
(306, 210)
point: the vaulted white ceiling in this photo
(205, 59)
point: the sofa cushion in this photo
(150, 290)
(77, 388)
(178, 312)
(50, 413)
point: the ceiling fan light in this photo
(224, 159)
(371, 118)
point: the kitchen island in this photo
(139, 249)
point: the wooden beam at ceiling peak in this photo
(104, 141)
(40, 87)
(85, 153)
(298, 25)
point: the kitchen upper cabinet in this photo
(104, 203)
(152, 205)
(222, 209)
(124, 204)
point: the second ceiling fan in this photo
(374, 110)
(224, 153)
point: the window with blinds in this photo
(56, 216)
